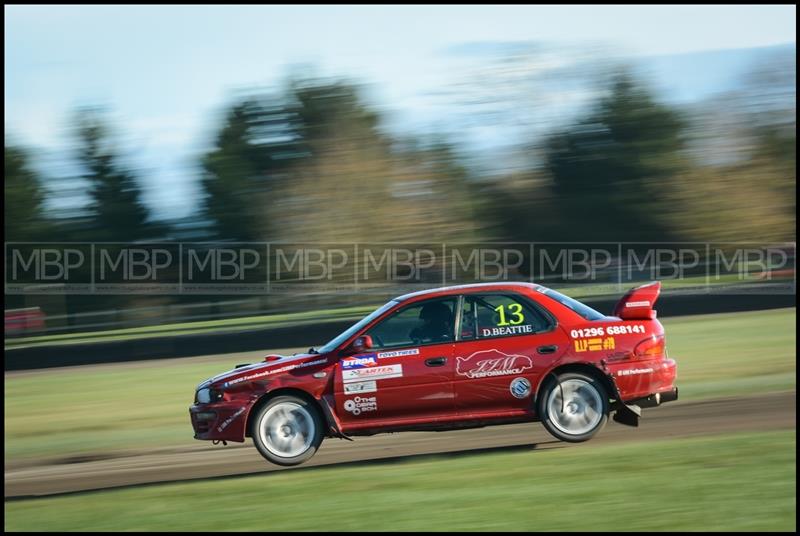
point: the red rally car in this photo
(450, 358)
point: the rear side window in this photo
(500, 315)
(582, 309)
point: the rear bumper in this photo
(636, 380)
(656, 399)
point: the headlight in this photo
(204, 395)
(207, 394)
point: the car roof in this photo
(466, 289)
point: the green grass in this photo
(724, 483)
(85, 410)
(732, 353)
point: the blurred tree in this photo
(25, 220)
(399, 191)
(116, 212)
(610, 170)
(771, 93)
(229, 171)
(287, 166)
(253, 149)
(742, 182)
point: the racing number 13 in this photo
(516, 310)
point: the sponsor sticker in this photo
(372, 373)
(229, 420)
(361, 404)
(492, 363)
(360, 361)
(620, 329)
(631, 372)
(274, 371)
(637, 304)
(398, 353)
(361, 387)
(594, 344)
(520, 387)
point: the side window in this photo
(500, 315)
(428, 322)
(468, 320)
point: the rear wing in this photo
(638, 303)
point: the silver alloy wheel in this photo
(287, 429)
(582, 407)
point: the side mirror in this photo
(361, 344)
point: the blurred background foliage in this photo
(313, 162)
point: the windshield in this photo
(584, 310)
(355, 327)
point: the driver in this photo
(437, 323)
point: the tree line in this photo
(313, 162)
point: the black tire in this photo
(583, 415)
(270, 438)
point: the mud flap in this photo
(627, 415)
(333, 423)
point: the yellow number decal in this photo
(516, 310)
(501, 311)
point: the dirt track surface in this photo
(200, 460)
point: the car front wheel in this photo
(287, 430)
(574, 407)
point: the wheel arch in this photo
(585, 368)
(282, 391)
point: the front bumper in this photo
(219, 421)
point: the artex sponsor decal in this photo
(637, 304)
(372, 373)
(361, 404)
(360, 361)
(398, 353)
(361, 387)
(492, 363)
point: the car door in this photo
(407, 376)
(506, 342)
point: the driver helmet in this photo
(433, 313)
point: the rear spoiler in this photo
(638, 303)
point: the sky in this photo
(166, 72)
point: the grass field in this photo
(86, 410)
(724, 483)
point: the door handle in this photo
(547, 349)
(435, 361)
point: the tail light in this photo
(651, 347)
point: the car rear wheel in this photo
(287, 430)
(574, 407)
